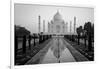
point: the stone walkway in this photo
(57, 51)
(52, 54)
(77, 55)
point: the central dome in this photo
(57, 16)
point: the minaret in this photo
(48, 27)
(43, 26)
(66, 27)
(39, 18)
(70, 27)
(74, 25)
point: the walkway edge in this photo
(38, 55)
(77, 55)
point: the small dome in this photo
(57, 16)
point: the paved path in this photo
(77, 55)
(52, 54)
(57, 51)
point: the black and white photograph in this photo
(45, 34)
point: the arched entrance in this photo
(58, 29)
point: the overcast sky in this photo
(26, 15)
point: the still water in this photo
(57, 53)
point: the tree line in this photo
(87, 33)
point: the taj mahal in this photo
(57, 25)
